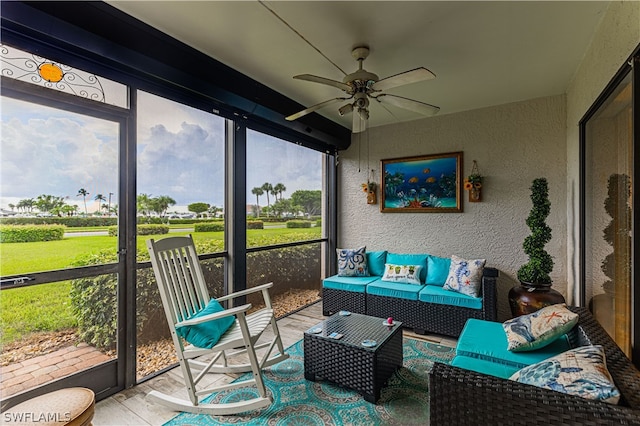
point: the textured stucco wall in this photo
(513, 144)
(616, 38)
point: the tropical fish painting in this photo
(428, 183)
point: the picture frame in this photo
(422, 184)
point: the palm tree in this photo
(279, 188)
(12, 206)
(213, 211)
(257, 191)
(99, 198)
(143, 203)
(267, 188)
(26, 205)
(162, 204)
(84, 194)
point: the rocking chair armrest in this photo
(210, 317)
(245, 292)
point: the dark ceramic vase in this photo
(528, 298)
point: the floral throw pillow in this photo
(465, 276)
(580, 372)
(352, 262)
(538, 329)
(408, 274)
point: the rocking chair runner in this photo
(184, 294)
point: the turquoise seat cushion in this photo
(391, 289)
(487, 340)
(436, 294)
(410, 259)
(483, 366)
(355, 284)
(376, 261)
(206, 334)
(437, 270)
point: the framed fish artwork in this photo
(427, 183)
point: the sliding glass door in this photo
(609, 161)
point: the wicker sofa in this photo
(355, 294)
(461, 396)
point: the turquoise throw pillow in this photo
(207, 334)
(376, 261)
(437, 270)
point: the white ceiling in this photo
(483, 52)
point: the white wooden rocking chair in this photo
(184, 293)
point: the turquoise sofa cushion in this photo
(437, 270)
(391, 289)
(487, 340)
(206, 334)
(410, 259)
(483, 366)
(436, 294)
(376, 261)
(355, 284)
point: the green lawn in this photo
(46, 307)
(25, 310)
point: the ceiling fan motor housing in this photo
(361, 100)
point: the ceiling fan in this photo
(362, 85)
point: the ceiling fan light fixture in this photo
(345, 109)
(360, 119)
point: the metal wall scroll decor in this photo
(37, 70)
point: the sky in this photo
(180, 154)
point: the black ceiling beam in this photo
(115, 43)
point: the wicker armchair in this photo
(459, 396)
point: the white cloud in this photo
(275, 161)
(180, 154)
(48, 151)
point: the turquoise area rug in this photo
(404, 401)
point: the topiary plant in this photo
(536, 271)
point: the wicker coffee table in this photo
(347, 361)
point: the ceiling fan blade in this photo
(313, 108)
(340, 85)
(407, 77)
(360, 119)
(406, 103)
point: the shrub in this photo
(299, 224)
(71, 222)
(255, 224)
(318, 223)
(94, 299)
(208, 227)
(30, 233)
(192, 221)
(143, 230)
(151, 220)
